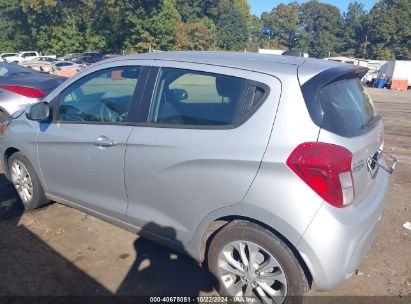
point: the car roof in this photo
(264, 63)
(233, 59)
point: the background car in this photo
(22, 56)
(63, 65)
(66, 68)
(41, 63)
(71, 56)
(20, 86)
(39, 58)
(86, 60)
(98, 56)
(5, 55)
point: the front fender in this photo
(21, 135)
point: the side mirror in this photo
(39, 112)
(178, 94)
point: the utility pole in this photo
(365, 47)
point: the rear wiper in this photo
(373, 119)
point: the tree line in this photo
(114, 26)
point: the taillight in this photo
(25, 91)
(326, 168)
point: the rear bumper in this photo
(337, 240)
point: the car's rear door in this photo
(81, 152)
(198, 145)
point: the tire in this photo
(18, 166)
(290, 282)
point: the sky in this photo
(259, 6)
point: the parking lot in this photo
(57, 250)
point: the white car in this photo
(3, 56)
(22, 56)
(64, 65)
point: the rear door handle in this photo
(104, 141)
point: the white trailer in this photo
(396, 70)
(270, 51)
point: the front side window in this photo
(104, 96)
(184, 97)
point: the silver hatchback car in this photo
(267, 167)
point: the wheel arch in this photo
(216, 225)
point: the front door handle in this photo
(104, 141)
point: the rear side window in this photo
(194, 98)
(347, 108)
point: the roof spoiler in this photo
(334, 74)
(311, 88)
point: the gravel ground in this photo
(57, 250)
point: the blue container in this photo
(380, 83)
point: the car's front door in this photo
(81, 152)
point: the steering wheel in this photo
(71, 113)
(112, 111)
(105, 112)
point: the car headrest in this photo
(228, 86)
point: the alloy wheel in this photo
(22, 181)
(247, 269)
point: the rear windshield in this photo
(346, 106)
(8, 70)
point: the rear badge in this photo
(357, 166)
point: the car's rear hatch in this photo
(340, 105)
